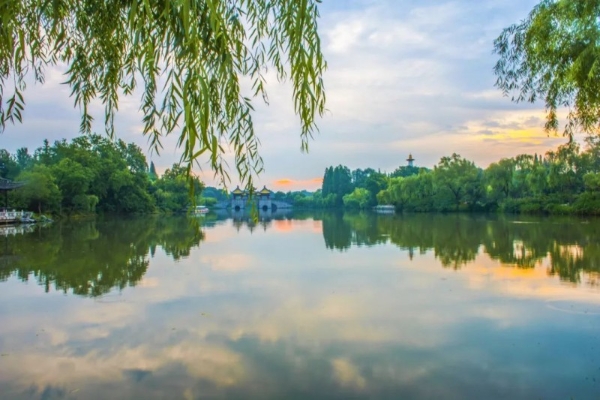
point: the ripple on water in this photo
(574, 307)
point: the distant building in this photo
(410, 160)
(239, 199)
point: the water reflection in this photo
(570, 246)
(92, 258)
(237, 309)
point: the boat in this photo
(201, 210)
(385, 209)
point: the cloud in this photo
(347, 374)
(296, 184)
(403, 77)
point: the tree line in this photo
(563, 181)
(94, 174)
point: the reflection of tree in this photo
(92, 258)
(522, 243)
(570, 246)
(336, 231)
(177, 236)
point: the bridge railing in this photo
(7, 215)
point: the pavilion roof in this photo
(237, 190)
(6, 184)
(265, 191)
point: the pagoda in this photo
(410, 160)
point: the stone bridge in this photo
(262, 204)
(241, 200)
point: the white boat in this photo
(200, 210)
(385, 209)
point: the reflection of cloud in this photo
(368, 317)
(229, 262)
(510, 280)
(347, 374)
(291, 225)
(148, 282)
(284, 225)
(215, 364)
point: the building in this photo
(410, 160)
(240, 199)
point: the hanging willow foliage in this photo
(554, 55)
(200, 49)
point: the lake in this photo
(297, 306)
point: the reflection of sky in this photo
(274, 314)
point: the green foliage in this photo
(337, 182)
(152, 172)
(359, 199)
(499, 178)
(204, 49)
(563, 181)
(217, 194)
(172, 190)
(41, 192)
(9, 168)
(93, 173)
(406, 171)
(592, 182)
(553, 54)
(340, 181)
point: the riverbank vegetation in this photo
(94, 174)
(563, 181)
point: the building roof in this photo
(410, 158)
(264, 190)
(237, 190)
(6, 184)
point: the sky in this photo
(404, 77)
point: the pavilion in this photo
(6, 186)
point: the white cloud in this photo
(403, 77)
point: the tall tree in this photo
(204, 49)
(553, 55)
(458, 176)
(152, 172)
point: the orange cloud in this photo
(293, 184)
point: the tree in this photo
(458, 176)
(337, 183)
(9, 168)
(375, 183)
(359, 198)
(173, 189)
(204, 49)
(40, 192)
(73, 180)
(23, 158)
(553, 54)
(152, 172)
(499, 176)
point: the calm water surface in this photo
(302, 306)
